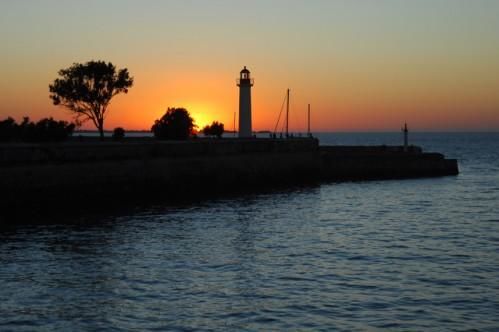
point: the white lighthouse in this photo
(245, 82)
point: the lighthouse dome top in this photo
(245, 70)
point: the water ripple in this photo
(375, 256)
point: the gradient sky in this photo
(364, 65)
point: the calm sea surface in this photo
(414, 255)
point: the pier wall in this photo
(77, 152)
(72, 173)
(79, 172)
(382, 162)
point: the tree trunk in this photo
(101, 129)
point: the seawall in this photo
(78, 172)
(102, 172)
(382, 162)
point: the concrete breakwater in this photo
(79, 171)
(382, 162)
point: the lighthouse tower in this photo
(245, 82)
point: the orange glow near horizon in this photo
(216, 99)
(363, 66)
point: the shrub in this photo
(9, 130)
(118, 133)
(176, 124)
(45, 130)
(215, 129)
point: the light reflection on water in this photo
(401, 255)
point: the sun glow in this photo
(205, 114)
(201, 118)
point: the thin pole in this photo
(234, 124)
(406, 137)
(287, 115)
(280, 113)
(308, 130)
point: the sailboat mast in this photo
(287, 115)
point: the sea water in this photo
(414, 255)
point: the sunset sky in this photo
(363, 65)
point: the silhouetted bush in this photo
(176, 124)
(118, 133)
(45, 130)
(215, 129)
(9, 130)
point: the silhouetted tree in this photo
(118, 133)
(215, 129)
(45, 130)
(177, 123)
(9, 130)
(87, 89)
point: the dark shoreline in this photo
(41, 178)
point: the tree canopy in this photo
(175, 124)
(87, 89)
(118, 133)
(45, 130)
(215, 129)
